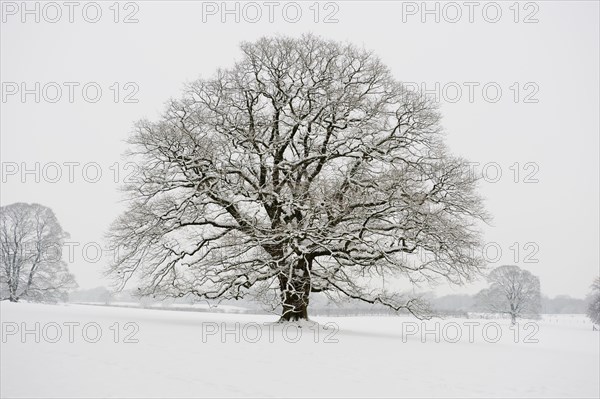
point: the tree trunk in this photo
(12, 291)
(513, 319)
(295, 293)
(295, 307)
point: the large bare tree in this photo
(306, 167)
(31, 241)
(513, 291)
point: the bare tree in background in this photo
(31, 242)
(593, 310)
(304, 168)
(512, 291)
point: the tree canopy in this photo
(31, 241)
(305, 167)
(512, 291)
(593, 310)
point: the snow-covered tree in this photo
(512, 291)
(31, 241)
(593, 310)
(306, 167)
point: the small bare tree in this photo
(593, 310)
(304, 168)
(512, 291)
(31, 241)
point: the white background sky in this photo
(171, 45)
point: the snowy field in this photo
(94, 351)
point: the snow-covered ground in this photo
(174, 306)
(161, 353)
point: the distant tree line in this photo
(458, 305)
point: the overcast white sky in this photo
(554, 140)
